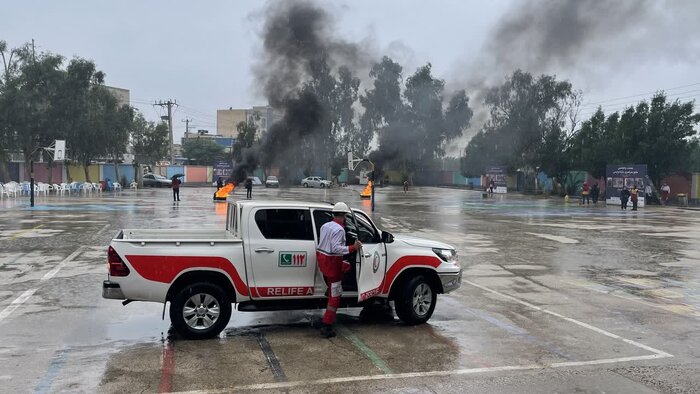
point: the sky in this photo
(201, 53)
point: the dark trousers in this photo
(624, 204)
(249, 193)
(634, 204)
(585, 198)
(176, 194)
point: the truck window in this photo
(365, 231)
(285, 224)
(322, 217)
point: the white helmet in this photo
(341, 207)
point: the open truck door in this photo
(371, 259)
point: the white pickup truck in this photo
(266, 260)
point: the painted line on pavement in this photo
(572, 320)
(105, 227)
(271, 358)
(46, 382)
(166, 373)
(28, 293)
(369, 353)
(658, 354)
(16, 303)
(29, 230)
(63, 263)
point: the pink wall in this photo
(679, 184)
(196, 174)
(41, 173)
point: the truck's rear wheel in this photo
(200, 311)
(416, 300)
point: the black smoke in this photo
(300, 51)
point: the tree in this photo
(659, 134)
(412, 133)
(247, 134)
(149, 142)
(202, 151)
(527, 125)
(351, 138)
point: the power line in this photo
(641, 94)
(169, 104)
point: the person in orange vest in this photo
(634, 196)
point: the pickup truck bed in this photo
(176, 235)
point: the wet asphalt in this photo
(556, 298)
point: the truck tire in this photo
(416, 300)
(200, 311)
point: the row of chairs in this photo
(12, 189)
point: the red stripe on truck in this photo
(165, 269)
(404, 262)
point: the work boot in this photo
(327, 331)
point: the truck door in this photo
(282, 253)
(372, 266)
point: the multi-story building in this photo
(123, 95)
(228, 119)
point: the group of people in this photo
(590, 193)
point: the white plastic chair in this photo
(58, 189)
(134, 185)
(11, 188)
(116, 186)
(42, 187)
(96, 187)
(86, 187)
(75, 187)
(65, 188)
(25, 188)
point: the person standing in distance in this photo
(329, 255)
(176, 188)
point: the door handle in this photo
(368, 255)
(264, 250)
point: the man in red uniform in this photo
(329, 254)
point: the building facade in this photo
(262, 116)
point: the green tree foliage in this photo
(247, 133)
(527, 126)
(41, 101)
(659, 134)
(202, 151)
(412, 127)
(150, 142)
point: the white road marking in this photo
(28, 293)
(659, 353)
(16, 303)
(62, 264)
(105, 227)
(557, 238)
(301, 383)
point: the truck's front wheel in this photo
(200, 311)
(416, 300)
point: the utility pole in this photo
(170, 105)
(187, 125)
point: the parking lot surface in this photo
(555, 298)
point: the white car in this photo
(315, 181)
(265, 260)
(272, 181)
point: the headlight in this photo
(446, 255)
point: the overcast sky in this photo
(201, 52)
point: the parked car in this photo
(272, 181)
(315, 181)
(155, 180)
(265, 260)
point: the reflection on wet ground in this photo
(548, 286)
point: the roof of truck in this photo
(283, 203)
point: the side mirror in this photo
(387, 238)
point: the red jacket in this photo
(330, 251)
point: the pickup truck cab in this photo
(265, 260)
